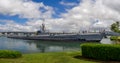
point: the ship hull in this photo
(72, 37)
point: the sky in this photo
(58, 15)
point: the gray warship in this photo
(42, 35)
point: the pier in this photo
(106, 33)
(16, 33)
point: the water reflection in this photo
(26, 46)
(49, 46)
(20, 45)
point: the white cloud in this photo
(10, 25)
(112, 4)
(24, 8)
(68, 3)
(82, 14)
(80, 17)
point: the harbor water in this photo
(32, 46)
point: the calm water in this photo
(29, 46)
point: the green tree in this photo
(115, 27)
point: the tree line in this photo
(115, 27)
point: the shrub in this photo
(9, 54)
(114, 38)
(101, 51)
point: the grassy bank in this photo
(61, 57)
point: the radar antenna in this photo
(43, 26)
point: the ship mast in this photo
(43, 26)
